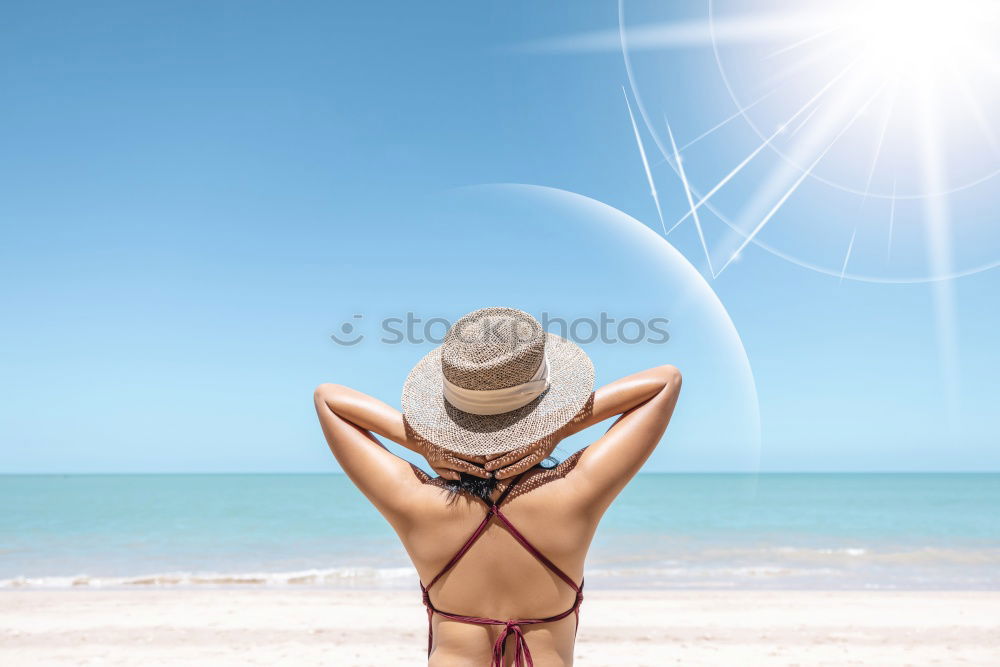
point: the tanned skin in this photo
(497, 578)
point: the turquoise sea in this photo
(808, 531)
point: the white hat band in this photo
(498, 401)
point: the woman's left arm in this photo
(349, 418)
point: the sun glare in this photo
(916, 38)
(891, 107)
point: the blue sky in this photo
(190, 188)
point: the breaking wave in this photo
(771, 567)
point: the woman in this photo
(498, 540)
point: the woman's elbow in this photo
(669, 375)
(325, 391)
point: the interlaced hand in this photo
(449, 464)
(445, 463)
(527, 456)
(517, 461)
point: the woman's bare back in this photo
(556, 511)
(498, 577)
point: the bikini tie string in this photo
(522, 656)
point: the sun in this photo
(874, 128)
(913, 39)
(893, 73)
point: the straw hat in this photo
(498, 382)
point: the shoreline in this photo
(232, 626)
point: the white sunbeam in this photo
(645, 164)
(679, 163)
(737, 114)
(688, 33)
(811, 144)
(886, 115)
(892, 222)
(801, 42)
(939, 251)
(847, 256)
(742, 111)
(804, 64)
(908, 42)
(908, 39)
(766, 142)
(805, 121)
(976, 109)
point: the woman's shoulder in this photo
(539, 477)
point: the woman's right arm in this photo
(646, 403)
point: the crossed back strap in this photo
(493, 511)
(522, 656)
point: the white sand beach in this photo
(330, 627)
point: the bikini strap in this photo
(530, 548)
(461, 552)
(522, 655)
(492, 510)
(506, 492)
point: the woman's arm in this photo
(349, 417)
(645, 400)
(646, 403)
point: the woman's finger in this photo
(470, 458)
(447, 473)
(507, 459)
(434, 451)
(441, 459)
(520, 466)
(466, 467)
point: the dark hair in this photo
(483, 488)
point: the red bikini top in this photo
(522, 656)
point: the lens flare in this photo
(914, 38)
(846, 101)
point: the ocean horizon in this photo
(811, 531)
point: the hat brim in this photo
(571, 382)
